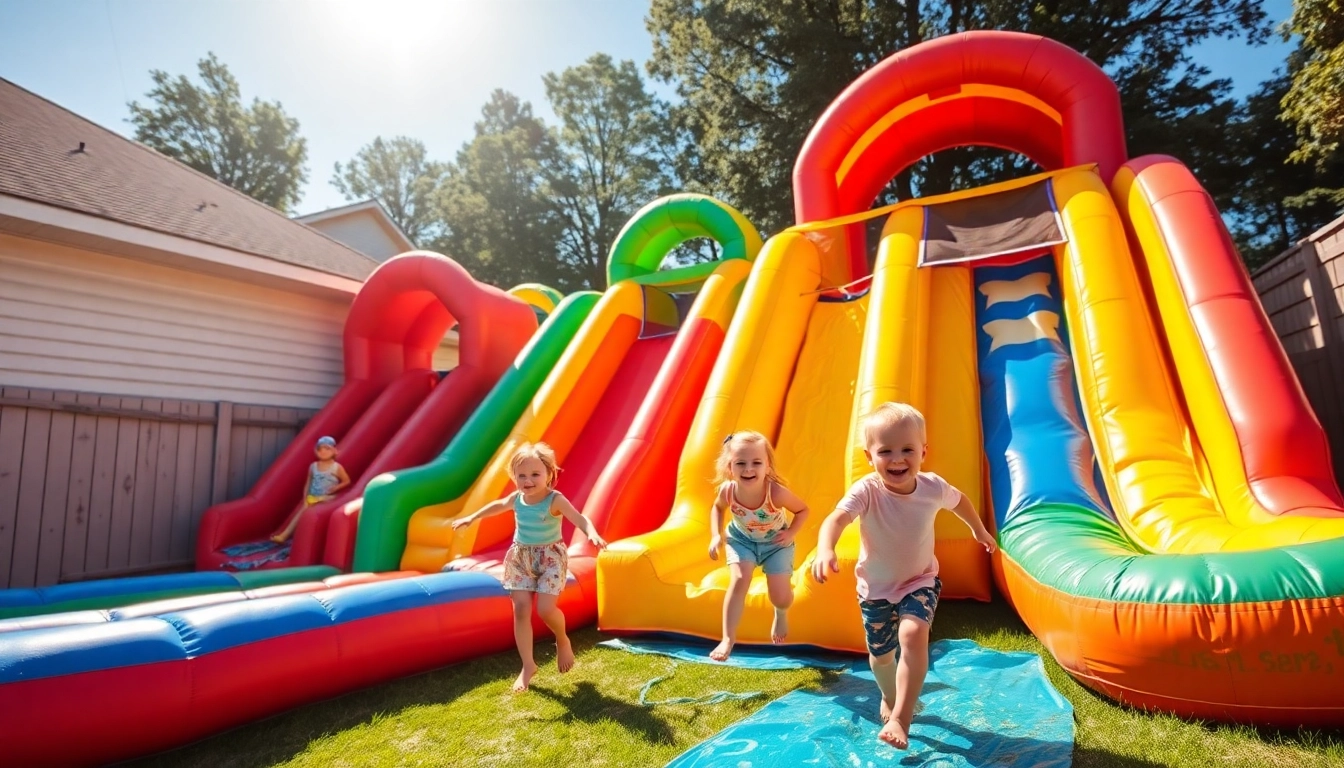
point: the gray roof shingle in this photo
(119, 179)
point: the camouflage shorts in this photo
(882, 617)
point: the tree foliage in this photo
(255, 149)
(528, 202)
(755, 75)
(398, 175)
(606, 164)
(497, 219)
(1315, 101)
(1277, 202)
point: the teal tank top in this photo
(534, 524)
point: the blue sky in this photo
(350, 70)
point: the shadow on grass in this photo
(1089, 757)
(586, 704)
(284, 736)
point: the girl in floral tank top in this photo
(759, 532)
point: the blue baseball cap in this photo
(326, 440)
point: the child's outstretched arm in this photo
(496, 507)
(716, 527)
(582, 523)
(790, 501)
(965, 511)
(826, 562)
(344, 479)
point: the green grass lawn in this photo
(464, 716)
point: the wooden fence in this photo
(1302, 290)
(94, 486)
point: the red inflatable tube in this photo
(1078, 90)
(1284, 449)
(136, 710)
(389, 414)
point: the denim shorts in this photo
(772, 558)
(881, 617)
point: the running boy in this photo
(897, 572)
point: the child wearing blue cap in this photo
(326, 478)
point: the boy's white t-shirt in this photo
(896, 533)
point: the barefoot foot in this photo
(564, 655)
(895, 734)
(722, 651)
(884, 712)
(524, 678)
(279, 538)
(779, 628)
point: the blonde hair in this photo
(723, 465)
(539, 451)
(888, 415)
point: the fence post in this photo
(219, 484)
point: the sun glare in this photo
(407, 26)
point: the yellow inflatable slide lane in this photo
(800, 364)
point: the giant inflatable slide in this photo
(91, 673)
(1098, 376)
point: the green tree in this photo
(255, 149)
(1278, 202)
(398, 175)
(606, 164)
(497, 219)
(1315, 102)
(755, 75)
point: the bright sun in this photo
(406, 27)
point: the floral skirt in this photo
(536, 568)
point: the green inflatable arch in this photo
(669, 221)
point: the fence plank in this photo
(74, 552)
(146, 473)
(203, 488)
(123, 489)
(165, 480)
(219, 484)
(59, 446)
(256, 461)
(179, 547)
(102, 492)
(33, 475)
(238, 472)
(12, 422)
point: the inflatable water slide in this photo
(616, 405)
(392, 407)
(1098, 376)
(393, 411)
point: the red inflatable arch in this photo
(392, 411)
(1018, 92)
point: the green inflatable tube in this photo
(668, 221)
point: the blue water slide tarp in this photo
(979, 708)
(745, 656)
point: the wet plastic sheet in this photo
(746, 656)
(979, 708)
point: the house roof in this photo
(121, 180)
(369, 207)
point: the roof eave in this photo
(39, 221)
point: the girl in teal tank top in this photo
(538, 561)
(535, 524)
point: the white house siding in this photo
(362, 233)
(82, 321)
(445, 357)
